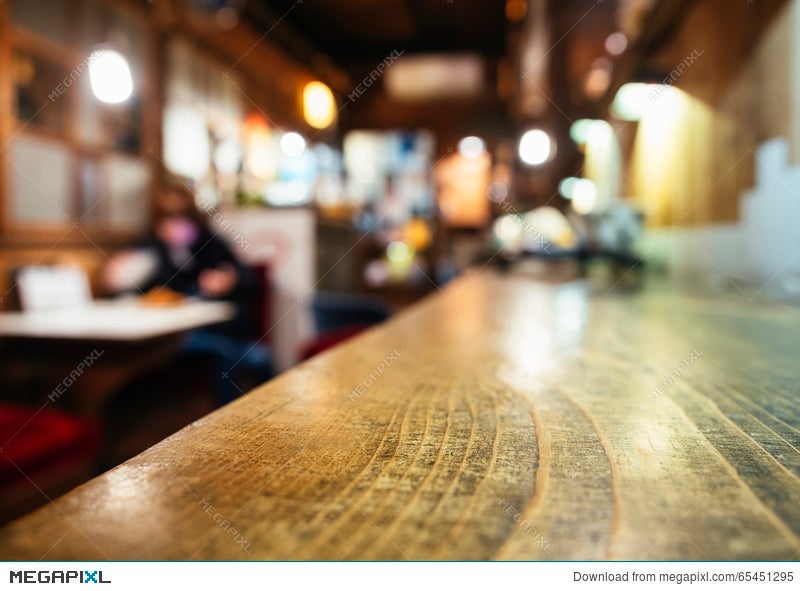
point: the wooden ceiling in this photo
(367, 30)
(342, 40)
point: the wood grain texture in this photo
(502, 418)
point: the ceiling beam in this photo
(279, 28)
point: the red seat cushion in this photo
(328, 339)
(33, 441)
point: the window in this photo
(69, 157)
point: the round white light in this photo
(584, 196)
(471, 147)
(398, 252)
(616, 43)
(292, 143)
(567, 187)
(508, 233)
(507, 229)
(535, 147)
(110, 76)
(376, 273)
(497, 191)
(588, 131)
(579, 131)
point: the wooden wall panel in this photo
(274, 80)
(737, 92)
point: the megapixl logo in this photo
(57, 576)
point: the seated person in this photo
(182, 255)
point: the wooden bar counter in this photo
(503, 418)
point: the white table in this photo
(114, 321)
(121, 339)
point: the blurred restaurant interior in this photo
(199, 196)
